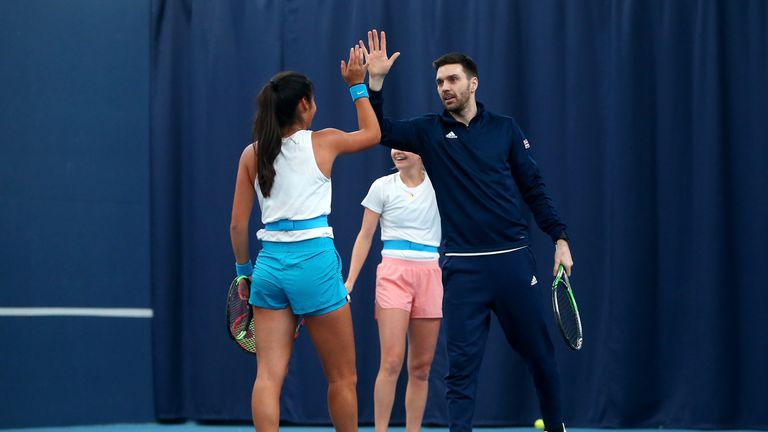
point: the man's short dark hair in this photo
(469, 65)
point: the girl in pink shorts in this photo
(409, 289)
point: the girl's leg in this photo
(335, 343)
(393, 326)
(273, 333)
(422, 340)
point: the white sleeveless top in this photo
(300, 191)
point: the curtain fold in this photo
(648, 119)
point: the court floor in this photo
(195, 427)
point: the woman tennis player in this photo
(298, 271)
(409, 289)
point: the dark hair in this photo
(469, 65)
(277, 102)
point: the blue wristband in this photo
(244, 269)
(358, 91)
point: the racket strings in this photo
(238, 319)
(248, 342)
(568, 315)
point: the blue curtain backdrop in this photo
(648, 119)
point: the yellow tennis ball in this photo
(538, 424)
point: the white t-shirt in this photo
(300, 191)
(406, 214)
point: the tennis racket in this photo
(240, 317)
(566, 311)
(299, 325)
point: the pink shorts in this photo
(415, 286)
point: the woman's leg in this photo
(335, 343)
(393, 326)
(273, 333)
(422, 340)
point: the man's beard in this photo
(460, 102)
(457, 108)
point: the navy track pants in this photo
(474, 287)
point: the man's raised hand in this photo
(376, 59)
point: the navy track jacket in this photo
(482, 174)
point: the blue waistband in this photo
(296, 225)
(408, 245)
(316, 244)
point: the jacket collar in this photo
(447, 118)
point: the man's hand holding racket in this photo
(562, 257)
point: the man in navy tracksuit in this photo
(482, 173)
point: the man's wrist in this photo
(375, 83)
(563, 236)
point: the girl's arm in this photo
(362, 246)
(242, 205)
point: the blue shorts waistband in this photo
(310, 245)
(408, 245)
(296, 225)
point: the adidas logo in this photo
(534, 281)
(451, 135)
